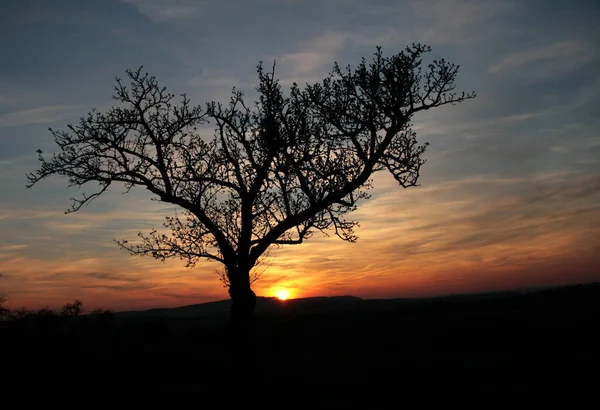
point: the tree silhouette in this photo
(273, 173)
(72, 309)
(4, 311)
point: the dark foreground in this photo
(366, 354)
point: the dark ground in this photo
(325, 353)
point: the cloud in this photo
(312, 59)
(113, 277)
(410, 237)
(210, 78)
(14, 247)
(170, 10)
(549, 60)
(40, 115)
(458, 22)
(527, 213)
(187, 296)
(121, 287)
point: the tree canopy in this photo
(274, 172)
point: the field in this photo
(325, 352)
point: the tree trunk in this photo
(240, 332)
(243, 302)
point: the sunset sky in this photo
(509, 196)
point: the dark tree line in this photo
(68, 310)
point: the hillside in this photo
(566, 297)
(341, 352)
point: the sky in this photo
(509, 197)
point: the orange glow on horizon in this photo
(473, 251)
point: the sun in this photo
(282, 294)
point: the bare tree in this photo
(274, 172)
(72, 309)
(4, 311)
(21, 313)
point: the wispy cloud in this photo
(9, 248)
(550, 59)
(212, 78)
(312, 59)
(40, 115)
(460, 22)
(113, 277)
(476, 223)
(170, 10)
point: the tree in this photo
(4, 311)
(72, 309)
(273, 173)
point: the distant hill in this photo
(493, 344)
(264, 305)
(215, 311)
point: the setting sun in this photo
(282, 294)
